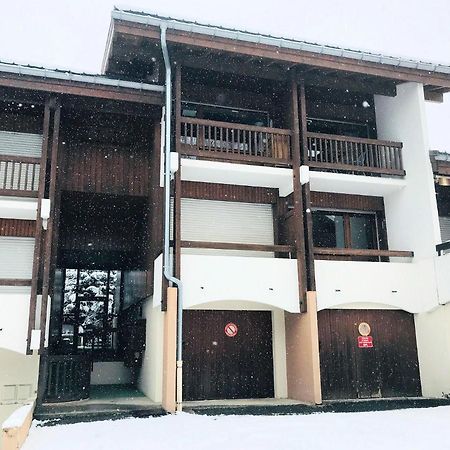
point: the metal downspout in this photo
(166, 252)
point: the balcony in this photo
(19, 175)
(354, 155)
(410, 286)
(235, 142)
(239, 273)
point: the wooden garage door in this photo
(389, 369)
(217, 366)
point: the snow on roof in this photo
(68, 75)
(18, 417)
(149, 18)
(440, 155)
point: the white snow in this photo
(17, 418)
(402, 429)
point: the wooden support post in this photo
(298, 198)
(38, 230)
(48, 246)
(306, 193)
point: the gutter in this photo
(167, 263)
(256, 38)
(19, 69)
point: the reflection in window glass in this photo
(363, 231)
(328, 230)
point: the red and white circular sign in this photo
(231, 329)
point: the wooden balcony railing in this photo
(358, 253)
(327, 151)
(19, 175)
(235, 142)
(239, 246)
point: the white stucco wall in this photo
(14, 311)
(411, 213)
(410, 286)
(150, 374)
(271, 281)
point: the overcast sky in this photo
(72, 33)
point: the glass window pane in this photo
(328, 230)
(363, 231)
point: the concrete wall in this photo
(410, 285)
(411, 213)
(111, 372)
(271, 281)
(18, 381)
(14, 310)
(433, 345)
(150, 374)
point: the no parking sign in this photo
(231, 329)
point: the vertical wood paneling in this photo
(231, 192)
(18, 228)
(389, 369)
(346, 201)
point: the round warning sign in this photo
(364, 329)
(231, 329)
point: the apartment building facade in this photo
(222, 215)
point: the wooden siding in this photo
(389, 369)
(335, 201)
(220, 367)
(234, 193)
(17, 228)
(107, 169)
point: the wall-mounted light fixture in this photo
(304, 174)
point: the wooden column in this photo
(49, 234)
(38, 229)
(306, 193)
(298, 198)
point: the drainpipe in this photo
(166, 254)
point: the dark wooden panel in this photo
(105, 168)
(21, 119)
(68, 377)
(346, 201)
(351, 372)
(217, 366)
(16, 227)
(231, 192)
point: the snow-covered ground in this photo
(410, 429)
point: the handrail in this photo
(354, 154)
(362, 252)
(238, 246)
(15, 282)
(19, 175)
(440, 248)
(337, 137)
(237, 126)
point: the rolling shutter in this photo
(444, 223)
(16, 257)
(20, 144)
(226, 221)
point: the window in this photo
(333, 229)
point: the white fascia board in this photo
(238, 174)
(354, 184)
(18, 208)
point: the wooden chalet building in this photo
(261, 209)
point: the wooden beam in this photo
(362, 252)
(38, 232)
(49, 234)
(306, 192)
(80, 89)
(238, 246)
(298, 199)
(285, 54)
(14, 282)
